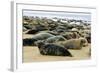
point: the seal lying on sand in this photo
(37, 37)
(28, 42)
(73, 43)
(52, 49)
(55, 39)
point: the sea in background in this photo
(85, 16)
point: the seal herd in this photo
(55, 36)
